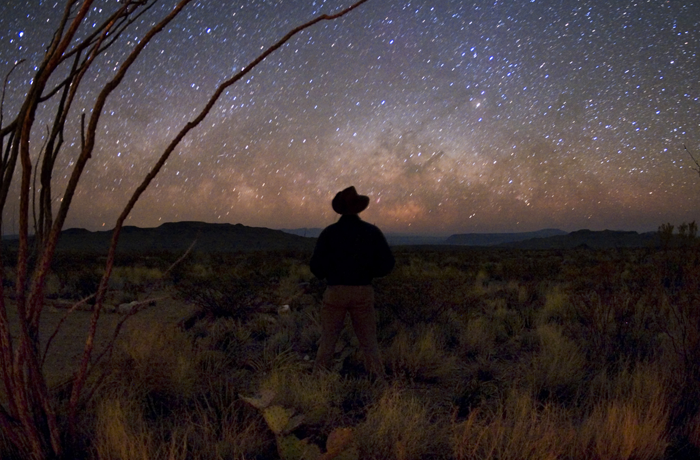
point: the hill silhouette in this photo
(178, 236)
(605, 239)
(493, 239)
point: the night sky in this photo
(453, 116)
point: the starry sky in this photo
(453, 116)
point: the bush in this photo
(226, 295)
(484, 360)
(520, 429)
(402, 426)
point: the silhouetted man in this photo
(348, 255)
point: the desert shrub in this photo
(632, 421)
(209, 429)
(78, 274)
(134, 279)
(76, 282)
(529, 266)
(481, 387)
(402, 426)
(558, 370)
(167, 399)
(227, 431)
(52, 287)
(156, 366)
(240, 285)
(122, 432)
(318, 397)
(613, 326)
(275, 355)
(485, 360)
(420, 291)
(420, 355)
(507, 323)
(556, 307)
(223, 344)
(309, 322)
(692, 433)
(481, 282)
(519, 429)
(419, 300)
(478, 338)
(226, 294)
(292, 286)
(676, 276)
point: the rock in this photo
(125, 308)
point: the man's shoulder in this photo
(329, 229)
(371, 227)
(351, 225)
(365, 226)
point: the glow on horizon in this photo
(452, 117)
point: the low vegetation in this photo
(491, 354)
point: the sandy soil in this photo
(67, 346)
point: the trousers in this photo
(358, 301)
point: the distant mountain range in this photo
(178, 236)
(605, 239)
(493, 239)
(394, 239)
(549, 238)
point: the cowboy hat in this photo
(349, 202)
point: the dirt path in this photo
(67, 346)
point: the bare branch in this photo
(60, 323)
(100, 40)
(70, 190)
(6, 348)
(697, 165)
(4, 131)
(41, 152)
(180, 259)
(27, 413)
(36, 293)
(80, 377)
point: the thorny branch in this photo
(697, 165)
(102, 289)
(28, 418)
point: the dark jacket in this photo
(351, 252)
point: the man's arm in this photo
(384, 259)
(319, 263)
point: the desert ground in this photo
(490, 354)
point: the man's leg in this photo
(332, 320)
(364, 323)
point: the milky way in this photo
(452, 116)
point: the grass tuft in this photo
(401, 426)
(520, 429)
(633, 422)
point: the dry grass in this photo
(420, 355)
(317, 396)
(206, 432)
(559, 367)
(519, 430)
(632, 422)
(505, 369)
(403, 427)
(556, 306)
(693, 431)
(478, 338)
(159, 358)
